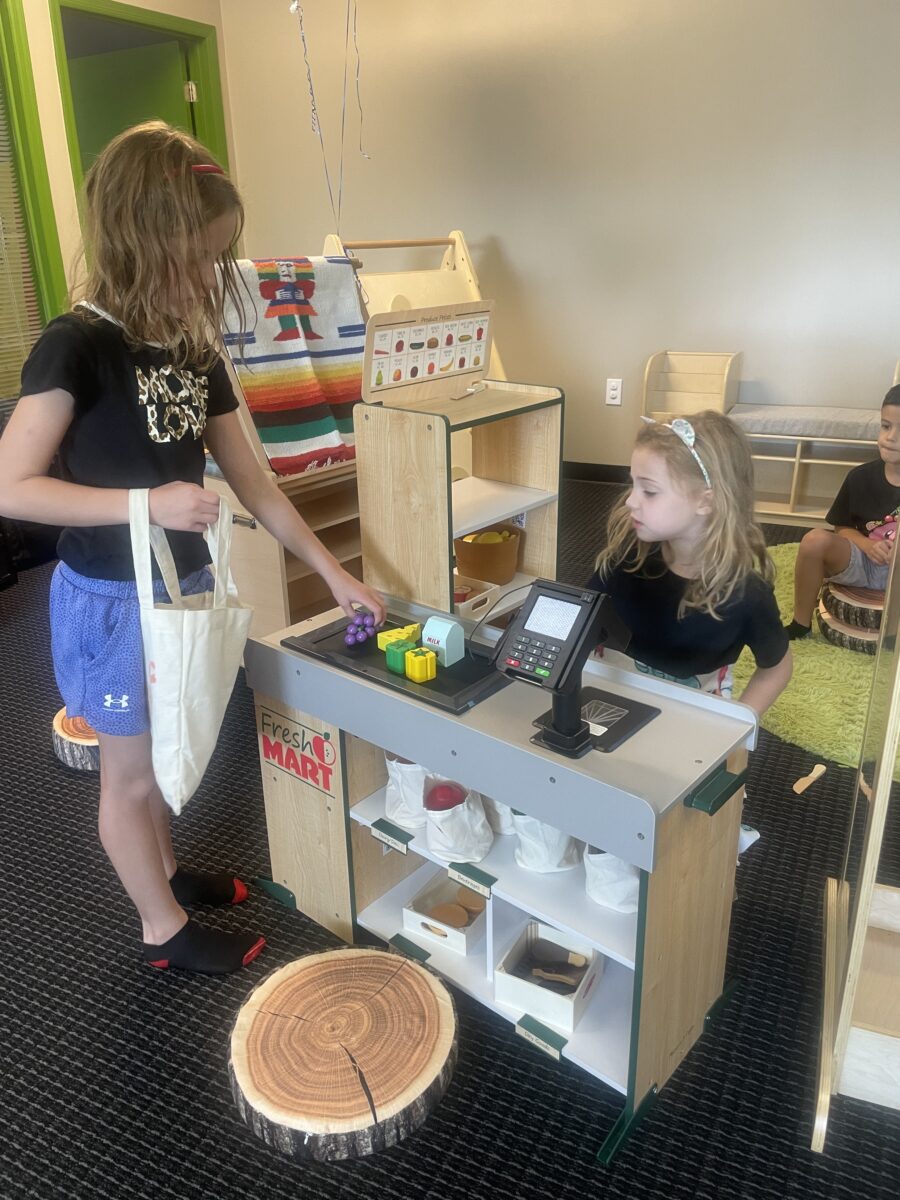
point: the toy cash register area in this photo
(638, 767)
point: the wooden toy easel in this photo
(859, 1050)
(453, 281)
(281, 589)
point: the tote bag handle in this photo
(144, 536)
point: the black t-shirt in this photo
(698, 643)
(138, 423)
(866, 502)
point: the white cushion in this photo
(800, 420)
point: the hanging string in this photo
(297, 8)
(358, 72)
(343, 116)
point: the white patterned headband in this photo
(684, 430)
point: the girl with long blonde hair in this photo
(129, 388)
(686, 566)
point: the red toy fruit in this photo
(441, 796)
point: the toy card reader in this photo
(547, 644)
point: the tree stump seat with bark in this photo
(75, 743)
(343, 1053)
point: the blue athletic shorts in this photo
(95, 634)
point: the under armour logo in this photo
(110, 701)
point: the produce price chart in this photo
(413, 353)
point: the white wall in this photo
(631, 175)
(50, 110)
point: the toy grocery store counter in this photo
(437, 698)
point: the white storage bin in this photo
(561, 1011)
(443, 890)
(480, 598)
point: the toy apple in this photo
(441, 796)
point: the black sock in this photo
(207, 951)
(204, 887)
(795, 631)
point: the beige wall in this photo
(631, 174)
(46, 82)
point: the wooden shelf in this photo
(331, 510)
(480, 502)
(558, 898)
(494, 402)
(341, 540)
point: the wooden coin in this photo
(471, 901)
(450, 914)
(342, 1054)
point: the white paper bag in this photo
(543, 848)
(611, 881)
(405, 793)
(499, 815)
(460, 834)
(192, 651)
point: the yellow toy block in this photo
(407, 633)
(421, 665)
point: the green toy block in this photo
(395, 656)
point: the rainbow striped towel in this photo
(300, 363)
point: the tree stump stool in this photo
(75, 743)
(342, 1054)
(850, 617)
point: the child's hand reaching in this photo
(183, 506)
(878, 550)
(349, 591)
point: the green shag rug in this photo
(823, 708)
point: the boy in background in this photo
(857, 553)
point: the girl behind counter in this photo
(686, 567)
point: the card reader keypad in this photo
(533, 655)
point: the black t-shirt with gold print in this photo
(138, 423)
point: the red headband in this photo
(207, 169)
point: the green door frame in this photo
(31, 163)
(204, 54)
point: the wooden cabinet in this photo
(279, 587)
(411, 509)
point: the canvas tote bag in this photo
(192, 651)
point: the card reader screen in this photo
(552, 618)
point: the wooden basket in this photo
(492, 561)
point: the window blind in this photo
(20, 313)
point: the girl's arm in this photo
(766, 684)
(29, 443)
(261, 496)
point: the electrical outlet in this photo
(614, 391)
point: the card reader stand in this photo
(547, 644)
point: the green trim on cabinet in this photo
(276, 890)
(31, 163)
(639, 944)
(715, 791)
(624, 1127)
(203, 57)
